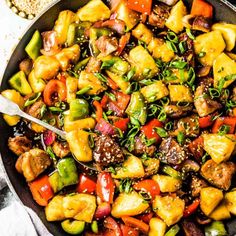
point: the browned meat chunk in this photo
(151, 166)
(191, 229)
(61, 149)
(219, 175)
(107, 151)
(32, 163)
(159, 15)
(107, 45)
(140, 147)
(187, 125)
(172, 152)
(94, 65)
(175, 111)
(201, 23)
(196, 148)
(19, 144)
(203, 103)
(196, 185)
(26, 66)
(35, 109)
(233, 97)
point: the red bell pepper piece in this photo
(99, 110)
(103, 210)
(54, 87)
(86, 184)
(196, 148)
(135, 223)
(112, 226)
(41, 190)
(105, 187)
(112, 84)
(128, 231)
(148, 185)
(122, 100)
(146, 217)
(202, 8)
(229, 121)
(206, 121)
(122, 124)
(104, 101)
(149, 130)
(189, 210)
(122, 43)
(143, 6)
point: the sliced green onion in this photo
(182, 47)
(202, 54)
(108, 64)
(84, 90)
(111, 96)
(55, 109)
(150, 141)
(172, 37)
(224, 129)
(169, 125)
(161, 132)
(214, 93)
(189, 33)
(178, 64)
(94, 226)
(134, 121)
(171, 46)
(43, 110)
(173, 231)
(32, 99)
(101, 77)
(131, 74)
(91, 141)
(162, 116)
(191, 76)
(171, 172)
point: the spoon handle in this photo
(44, 124)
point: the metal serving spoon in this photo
(10, 108)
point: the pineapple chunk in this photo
(203, 44)
(231, 55)
(230, 201)
(220, 213)
(224, 67)
(93, 11)
(159, 49)
(54, 210)
(80, 206)
(143, 63)
(229, 33)
(87, 123)
(219, 147)
(169, 208)
(157, 227)
(78, 141)
(174, 22)
(180, 93)
(141, 32)
(131, 18)
(167, 183)
(71, 88)
(128, 204)
(89, 79)
(210, 197)
(154, 91)
(132, 168)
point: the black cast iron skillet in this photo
(224, 11)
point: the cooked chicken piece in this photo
(19, 144)
(191, 229)
(61, 149)
(35, 109)
(219, 175)
(151, 166)
(203, 103)
(140, 147)
(201, 23)
(26, 66)
(172, 152)
(159, 15)
(107, 45)
(196, 185)
(187, 125)
(174, 111)
(107, 151)
(33, 163)
(94, 65)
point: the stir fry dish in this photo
(145, 92)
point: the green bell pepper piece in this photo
(67, 171)
(34, 46)
(73, 227)
(71, 34)
(137, 108)
(19, 82)
(56, 182)
(171, 172)
(81, 64)
(79, 109)
(173, 231)
(215, 228)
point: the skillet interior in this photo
(223, 12)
